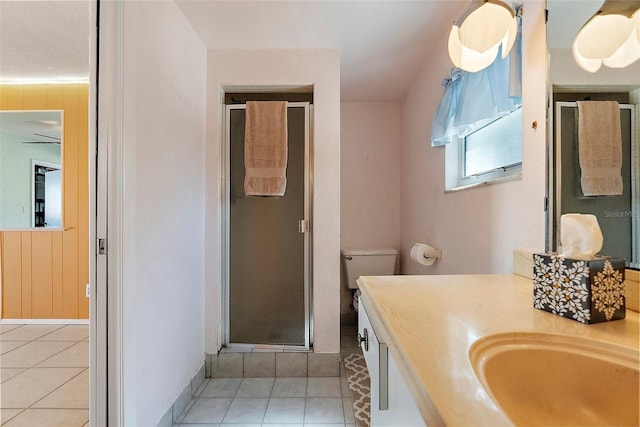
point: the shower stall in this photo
(267, 243)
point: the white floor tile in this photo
(221, 387)
(201, 388)
(324, 387)
(72, 395)
(68, 333)
(7, 328)
(323, 410)
(255, 387)
(76, 356)
(32, 353)
(29, 332)
(50, 418)
(60, 395)
(285, 410)
(179, 419)
(7, 346)
(8, 373)
(207, 410)
(26, 388)
(241, 425)
(349, 416)
(290, 387)
(246, 410)
(7, 414)
(344, 387)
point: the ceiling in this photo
(566, 17)
(44, 40)
(382, 43)
(33, 126)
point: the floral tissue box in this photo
(586, 291)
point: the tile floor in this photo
(291, 402)
(44, 375)
(44, 381)
(315, 401)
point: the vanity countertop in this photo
(430, 322)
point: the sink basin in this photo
(556, 380)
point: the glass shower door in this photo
(614, 213)
(267, 245)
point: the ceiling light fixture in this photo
(20, 81)
(479, 32)
(611, 37)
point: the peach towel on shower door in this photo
(600, 148)
(265, 148)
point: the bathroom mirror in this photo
(30, 169)
(618, 216)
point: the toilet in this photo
(367, 262)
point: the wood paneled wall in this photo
(44, 272)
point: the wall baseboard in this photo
(271, 364)
(44, 321)
(178, 408)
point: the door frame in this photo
(54, 166)
(225, 192)
(106, 210)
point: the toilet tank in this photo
(368, 262)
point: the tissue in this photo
(580, 236)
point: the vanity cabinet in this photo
(391, 401)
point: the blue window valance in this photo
(472, 100)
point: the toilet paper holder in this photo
(425, 254)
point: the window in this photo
(489, 154)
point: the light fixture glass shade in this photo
(611, 37)
(479, 32)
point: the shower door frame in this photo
(555, 177)
(225, 216)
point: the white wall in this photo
(250, 70)
(564, 71)
(369, 179)
(477, 229)
(163, 220)
(16, 178)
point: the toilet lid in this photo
(356, 252)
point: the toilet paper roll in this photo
(424, 254)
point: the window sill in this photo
(517, 175)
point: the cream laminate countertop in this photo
(430, 322)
